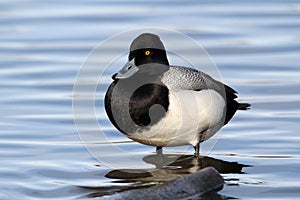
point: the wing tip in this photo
(244, 106)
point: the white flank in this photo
(189, 114)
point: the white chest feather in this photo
(190, 113)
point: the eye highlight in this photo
(147, 53)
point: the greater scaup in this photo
(160, 105)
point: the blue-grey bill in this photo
(127, 71)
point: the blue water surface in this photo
(254, 44)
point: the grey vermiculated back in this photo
(184, 78)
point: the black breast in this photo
(130, 108)
(148, 104)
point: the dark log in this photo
(191, 186)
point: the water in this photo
(255, 44)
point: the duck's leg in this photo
(158, 150)
(197, 149)
(201, 139)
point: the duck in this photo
(163, 105)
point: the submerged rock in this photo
(192, 186)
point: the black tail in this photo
(244, 106)
(232, 104)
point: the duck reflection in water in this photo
(167, 168)
(171, 166)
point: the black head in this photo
(147, 57)
(148, 48)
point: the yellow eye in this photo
(147, 53)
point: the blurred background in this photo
(255, 45)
